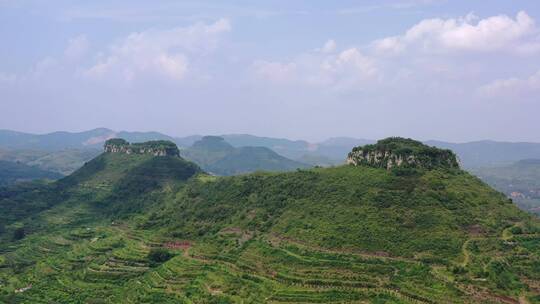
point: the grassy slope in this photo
(346, 234)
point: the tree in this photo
(159, 256)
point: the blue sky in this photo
(428, 69)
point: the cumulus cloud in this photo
(432, 53)
(164, 53)
(349, 68)
(512, 87)
(469, 33)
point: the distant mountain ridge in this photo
(72, 140)
(217, 156)
(63, 161)
(519, 181)
(328, 152)
(488, 152)
(12, 172)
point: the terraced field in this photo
(110, 265)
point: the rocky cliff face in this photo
(155, 148)
(400, 152)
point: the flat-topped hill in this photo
(402, 152)
(154, 147)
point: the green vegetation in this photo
(158, 256)
(216, 156)
(142, 229)
(117, 142)
(155, 144)
(156, 147)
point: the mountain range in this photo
(328, 152)
(217, 156)
(13, 172)
(519, 180)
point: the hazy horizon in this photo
(455, 71)
(313, 141)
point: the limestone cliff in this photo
(402, 152)
(155, 147)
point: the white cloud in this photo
(493, 34)
(512, 87)
(348, 69)
(77, 48)
(164, 53)
(434, 54)
(329, 46)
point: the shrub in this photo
(516, 230)
(159, 256)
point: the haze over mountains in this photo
(217, 156)
(60, 153)
(13, 172)
(331, 151)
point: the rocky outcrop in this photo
(155, 148)
(401, 152)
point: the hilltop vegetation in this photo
(404, 153)
(142, 229)
(154, 147)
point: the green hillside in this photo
(133, 228)
(217, 156)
